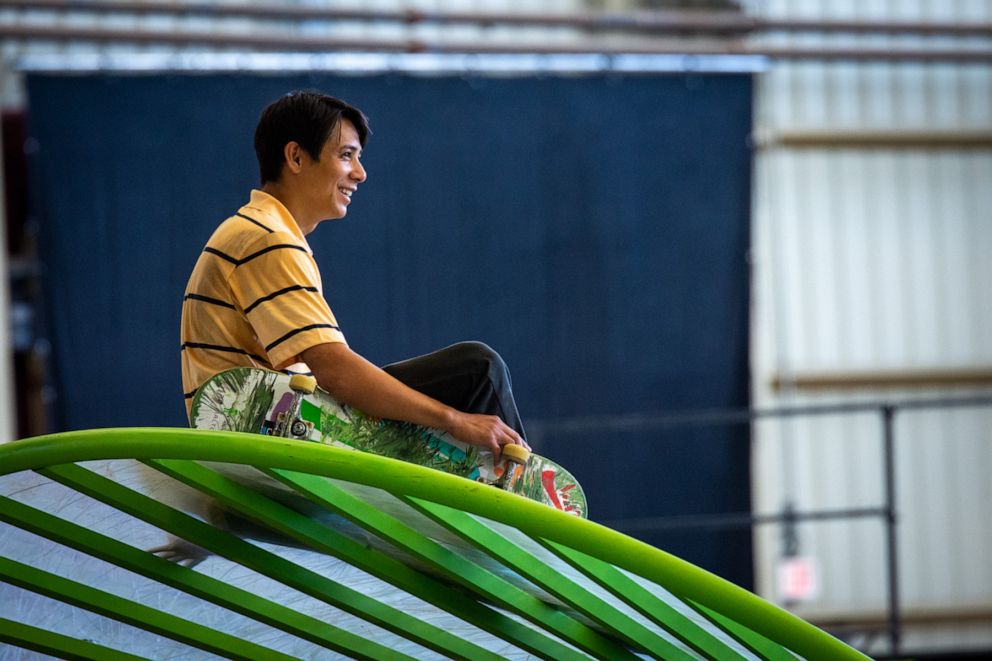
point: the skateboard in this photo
(248, 399)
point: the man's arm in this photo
(352, 380)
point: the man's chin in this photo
(338, 215)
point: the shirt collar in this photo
(275, 215)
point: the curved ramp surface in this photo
(271, 548)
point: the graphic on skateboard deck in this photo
(253, 400)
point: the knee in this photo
(480, 355)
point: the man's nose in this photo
(358, 172)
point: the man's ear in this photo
(293, 156)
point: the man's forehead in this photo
(345, 134)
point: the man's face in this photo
(333, 179)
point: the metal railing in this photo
(886, 511)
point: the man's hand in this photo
(486, 431)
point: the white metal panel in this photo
(875, 259)
(880, 259)
(7, 422)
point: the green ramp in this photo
(311, 548)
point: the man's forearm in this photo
(353, 380)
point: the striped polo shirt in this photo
(254, 297)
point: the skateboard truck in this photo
(513, 455)
(289, 424)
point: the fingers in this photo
(511, 437)
(488, 431)
(504, 436)
(519, 440)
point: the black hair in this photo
(307, 117)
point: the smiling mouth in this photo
(347, 192)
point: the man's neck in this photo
(295, 207)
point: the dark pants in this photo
(468, 376)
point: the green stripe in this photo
(56, 644)
(649, 604)
(133, 613)
(253, 557)
(191, 582)
(456, 567)
(757, 643)
(326, 540)
(538, 572)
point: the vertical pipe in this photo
(892, 549)
(7, 410)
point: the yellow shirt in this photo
(254, 297)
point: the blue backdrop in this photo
(592, 229)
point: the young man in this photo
(255, 296)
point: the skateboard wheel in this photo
(303, 383)
(516, 453)
(299, 429)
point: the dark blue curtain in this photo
(592, 229)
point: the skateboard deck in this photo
(253, 400)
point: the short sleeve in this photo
(278, 287)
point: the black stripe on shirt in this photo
(274, 294)
(239, 262)
(214, 251)
(278, 246)
(207, 299)
(298, 331)
(254, 221)
(217, 347)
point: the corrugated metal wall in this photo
(7, 427)
(871, 259)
